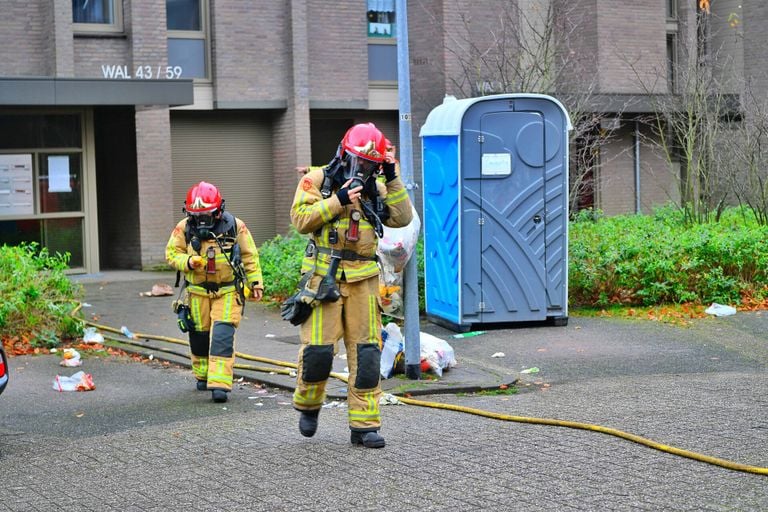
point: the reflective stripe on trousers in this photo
(356, 318)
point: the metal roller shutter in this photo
(234, 152)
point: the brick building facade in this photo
(164, 93)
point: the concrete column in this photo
(63, 48)
(292, 141)
(153, 160)
(153, 135)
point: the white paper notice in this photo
(496, 164)
(58, 174)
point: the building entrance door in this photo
(42, 183)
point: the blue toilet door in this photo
(503, 216)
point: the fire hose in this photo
(735, 466)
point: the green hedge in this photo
(281, 265)
(627, 259)
(657, 259)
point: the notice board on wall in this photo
(16, 185)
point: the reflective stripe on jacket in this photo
(310, 213)
(178, 252)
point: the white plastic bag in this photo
(393, 344)
(80, 381)
(720, 310)
(91, 335)
(437, 353)
(398, 244)
(71, 358)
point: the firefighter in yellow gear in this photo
(344, 207)
(219, 259)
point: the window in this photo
(671, 9)
(187, 48)
(381, 18)
(382, 43)
(97, 15)
(382, 62)
(671, 63)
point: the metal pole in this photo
(637, 166)
(411, 285)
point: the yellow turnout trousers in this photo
(356, 318)
(212, 342)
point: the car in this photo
(3, 369)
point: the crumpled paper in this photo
(158, 290)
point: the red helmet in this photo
(366, 141)
(203, 198)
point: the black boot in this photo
(308, 422)
(202, 385)
(219, 395)
(367, 439)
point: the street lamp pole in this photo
(411, 285)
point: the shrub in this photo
(656, 259)
(280, 260)
(281, 265)
(38, 298)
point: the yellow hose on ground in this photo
(735, 466)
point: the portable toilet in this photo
(495, 190)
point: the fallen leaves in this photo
(22, 346)
(678, 314)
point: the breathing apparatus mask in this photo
(358, 169)
(204, 222)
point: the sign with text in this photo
(141, 72)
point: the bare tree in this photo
(693, 126)
(530, 46)
(747, 151)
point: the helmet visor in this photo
(204, 220)
(359, 167)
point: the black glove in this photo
(389, 171)
(343, 195)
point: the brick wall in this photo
(251, 50)
(153, 135)
(153, 159)
(727, 32)
(631, 45)
(338, 50)
(429, 76)
(580, 46)
(25, 39)
(285, 163)
(754, 19)
(148, 34)
(292, 147)
(61, 35)
(616, 178)
(91, 53)
(659, 182)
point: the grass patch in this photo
(500, 391)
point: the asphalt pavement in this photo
(145, 439)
